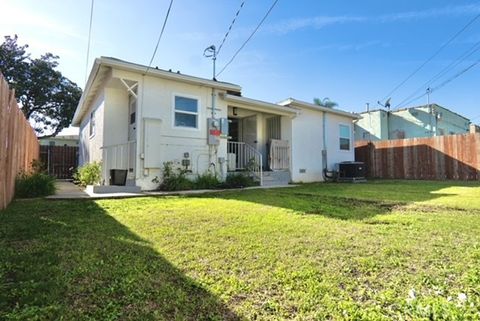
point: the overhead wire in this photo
(458, 33)
(446, 82)
(248, 39)
(230, 28)
(89, 39)
(444, 71)
(160, 36)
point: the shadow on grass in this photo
(342, 200)
(71, 260)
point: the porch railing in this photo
(119, 156)
(279, 155)
(243, 157)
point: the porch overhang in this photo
(258, 105)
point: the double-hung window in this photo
(345, 137)
(186, 112)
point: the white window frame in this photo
(349, 138)
(92, 124)
(197, 114)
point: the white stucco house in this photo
(136, 118)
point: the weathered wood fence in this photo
(60, 161)
(455, 157)
(18, 143)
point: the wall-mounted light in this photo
(234, 111)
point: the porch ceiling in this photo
(258, 105)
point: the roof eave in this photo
(274, 108)
(115, 63)
(93, 74)
(302, 104)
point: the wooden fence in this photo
(18, 143)
(60, 161)
(455, 157)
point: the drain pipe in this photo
(327, 175)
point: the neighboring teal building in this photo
(422, 121)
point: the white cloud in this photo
(313, 22)
(320, 22)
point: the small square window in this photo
(186, 112)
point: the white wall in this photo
(116, 116)
(89, 148)
(306, 146)
(166, 142)
(306, 136)
(334, 154)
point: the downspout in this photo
(324, 149)
(327, 175)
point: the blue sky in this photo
(351, 51)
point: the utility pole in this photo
(430, 110)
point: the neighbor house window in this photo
(344, 137)
(186, 112)
(92, 123)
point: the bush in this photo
(239, 180)
(207, 181)
(174, 180)
(35, 184)
(89, 174)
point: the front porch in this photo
(257, 142)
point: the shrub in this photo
(34, 184)
(174, 180)
(239, 180)
(88, 174)
(207, 181)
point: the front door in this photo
(250, 130)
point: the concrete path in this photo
(68, 190)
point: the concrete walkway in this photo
(68, 190)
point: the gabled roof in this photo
(291, 102)
(102, 65)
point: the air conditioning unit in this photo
(351, 172)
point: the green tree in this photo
(46, 97)
(325, 102)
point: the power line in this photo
(446, 82)
(230, 28)
(432, 57)
(444, 71)
(248, 39)
(160, 36)
(89, 40)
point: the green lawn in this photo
(377, 251)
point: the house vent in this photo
(302, 170)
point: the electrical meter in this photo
(214, 131)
